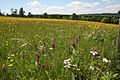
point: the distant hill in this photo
(103, 14)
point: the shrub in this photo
(105, 20)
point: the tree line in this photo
(105, 18)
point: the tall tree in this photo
(12, 11)
(21, 12)
(15, 12)
(74, 16)
(45, 15)
(29, 14)
(119, 12)
(0, 13)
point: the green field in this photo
(66, 50)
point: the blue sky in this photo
(62, 6)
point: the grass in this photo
(65, 49)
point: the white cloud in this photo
(113, 8)
(96, 3)
(80, 5)
(108, 1)
(108, 9)
(35, 7)
(54, 9)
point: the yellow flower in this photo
(12, 55)
(10, 65)
(11, 60)
(8, 57)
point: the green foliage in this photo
(1, 13)
(30, 15)
(105, 20)
(74, 16)
(21, 12)
(119, 12)
(45, 15)
(64, 46)
(13, 12)
(114, 20)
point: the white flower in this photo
(78, 69)
(74, 65)
(93, 53)
(106, 60)
(51, 48)
(67, 63)
(12, 55)
(66, 66)
(67, 60)
(36, 63)
(91, 68)
(11, 60)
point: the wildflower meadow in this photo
(51, 49)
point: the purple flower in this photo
(73, 44)
(4, 68)
(53, 45)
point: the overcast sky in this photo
(62, 6)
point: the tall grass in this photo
(65, 50)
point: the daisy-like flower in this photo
(106, 60)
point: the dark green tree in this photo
(74, 16)
(21, 12)
(29, 14)
(105, 20)
(119, 12)
(0, 13)
(45, 15)
(13, 12)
